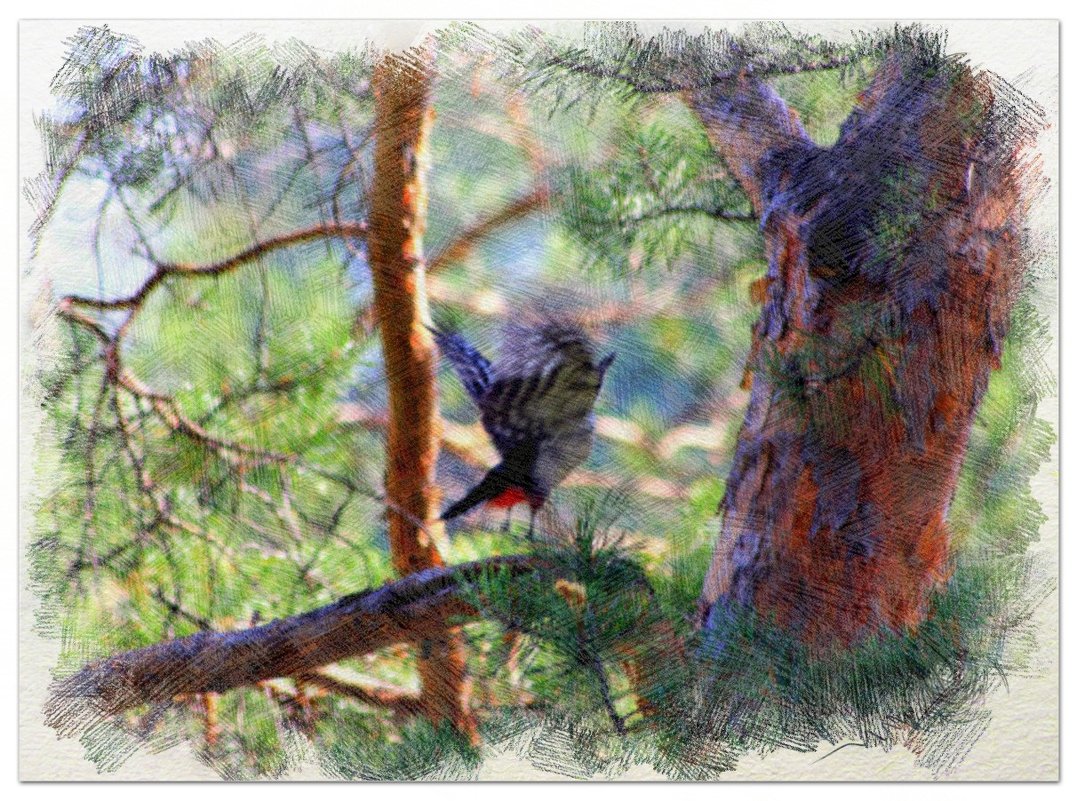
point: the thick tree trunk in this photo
(395, 240)
(894, 261)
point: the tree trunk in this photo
(894, 262)
(403, 117)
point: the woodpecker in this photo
(537, 405)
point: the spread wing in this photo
(517, 409)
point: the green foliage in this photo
(660, 199)
(822, 100)
(353, 747)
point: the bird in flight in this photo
(537, 405)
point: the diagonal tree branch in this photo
(407, 610)
(471, 236)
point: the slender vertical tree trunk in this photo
(894, 262)
(397, 220)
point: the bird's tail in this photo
(493, 484)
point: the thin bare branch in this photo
(400, 702)
(473, 235)
(163, 270)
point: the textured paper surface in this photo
(1022, 740)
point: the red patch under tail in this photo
(509, 498)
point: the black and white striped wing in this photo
(471, 366)
(521, 408)
(509, 413)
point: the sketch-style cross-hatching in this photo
(793, 512)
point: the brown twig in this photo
(473, 235)
(398, 701)
(163, 406)
(176, 609)
(163, 270)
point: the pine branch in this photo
(706, 211)
(406, 610)
(657, 86)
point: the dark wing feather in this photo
(532, 406)
(510, 414)
(471, 366)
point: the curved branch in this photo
(406, 610)
(163, 270)
(465, 241)
(164, 406)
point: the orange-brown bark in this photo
(395, 244)
(873, 349)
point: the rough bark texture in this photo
(398, 211)
(407, 610)
(894, 262)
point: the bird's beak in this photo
(604, 365)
